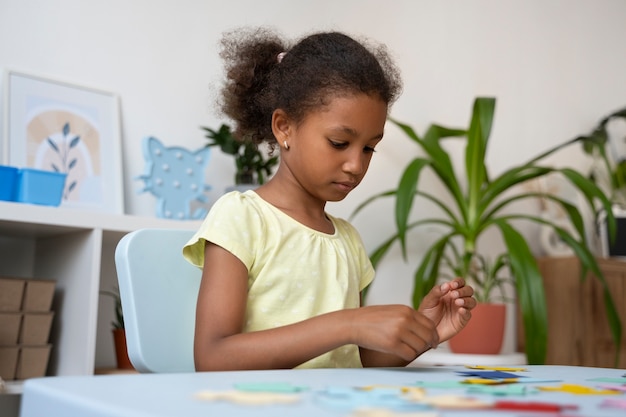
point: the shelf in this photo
(41, 221)
(75, 248)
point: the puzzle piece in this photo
(499, 390)
(481, 381)
(383, 412)
(578, 390)
(269, 387)
(489, 374)
(533, 406)
(613, 387)
(248, 398)
(496, 368)
(410, 393)
(612, 380)
(614, 403)
(354, 398)
(455, 402)
(441, 384)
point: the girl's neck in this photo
(297, 204)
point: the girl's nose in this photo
(355, 163)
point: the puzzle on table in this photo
(499, 389)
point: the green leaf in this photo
(405, 195)
(530, 293)
(428, 271)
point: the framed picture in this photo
(56, 126)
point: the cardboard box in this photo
(35, 328)
(10, 324)
(38, 295)
(8, 362)
(11, 293)
(23, 361)
(32, 361)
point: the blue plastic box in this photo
(40, 187)
(8, 183)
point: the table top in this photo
(577, 391)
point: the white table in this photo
(144, 395)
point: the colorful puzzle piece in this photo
(533, 406)
(496, 368)
(499, 390)
(455, 402)
(489, 374)
(383, 412)
(269, 387)
(248, 398)
(613, 387)
(354, 398)
(611, 380)
(441, 384)
(481, 381)
(614, 403)
(578, 390)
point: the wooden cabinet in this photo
(76, 249)
(578, 331)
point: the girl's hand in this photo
(448, 305)
(398, 330)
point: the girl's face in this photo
(330, 151)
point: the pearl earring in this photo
(286, 144)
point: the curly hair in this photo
(303, 78)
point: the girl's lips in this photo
(346, 186)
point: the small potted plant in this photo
(119, 333)
(252, 166)
(477, 202)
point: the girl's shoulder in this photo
(237, 199)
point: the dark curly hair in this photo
(306, 76)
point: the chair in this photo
(158, 289)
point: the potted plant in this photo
(119, 333)
(252, 166)
(607, 146)
(477, 203)
(610, 172)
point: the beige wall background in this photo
(555, 66)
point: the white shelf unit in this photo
(76, 249)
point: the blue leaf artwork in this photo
(66, 162)
(175, 176)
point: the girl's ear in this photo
(281, 126)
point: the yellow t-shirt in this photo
(294, 272)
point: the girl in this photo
(281, 278)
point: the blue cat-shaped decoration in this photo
(175, 176)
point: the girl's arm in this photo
(220, 344)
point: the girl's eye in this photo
(344, 145)
(369, 149)
(338, 145)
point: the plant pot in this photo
(121, 352)
(484, 333)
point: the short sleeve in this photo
(232, 224)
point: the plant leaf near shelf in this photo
(252, 166)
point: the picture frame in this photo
(58, 126)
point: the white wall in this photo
(556, 67)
